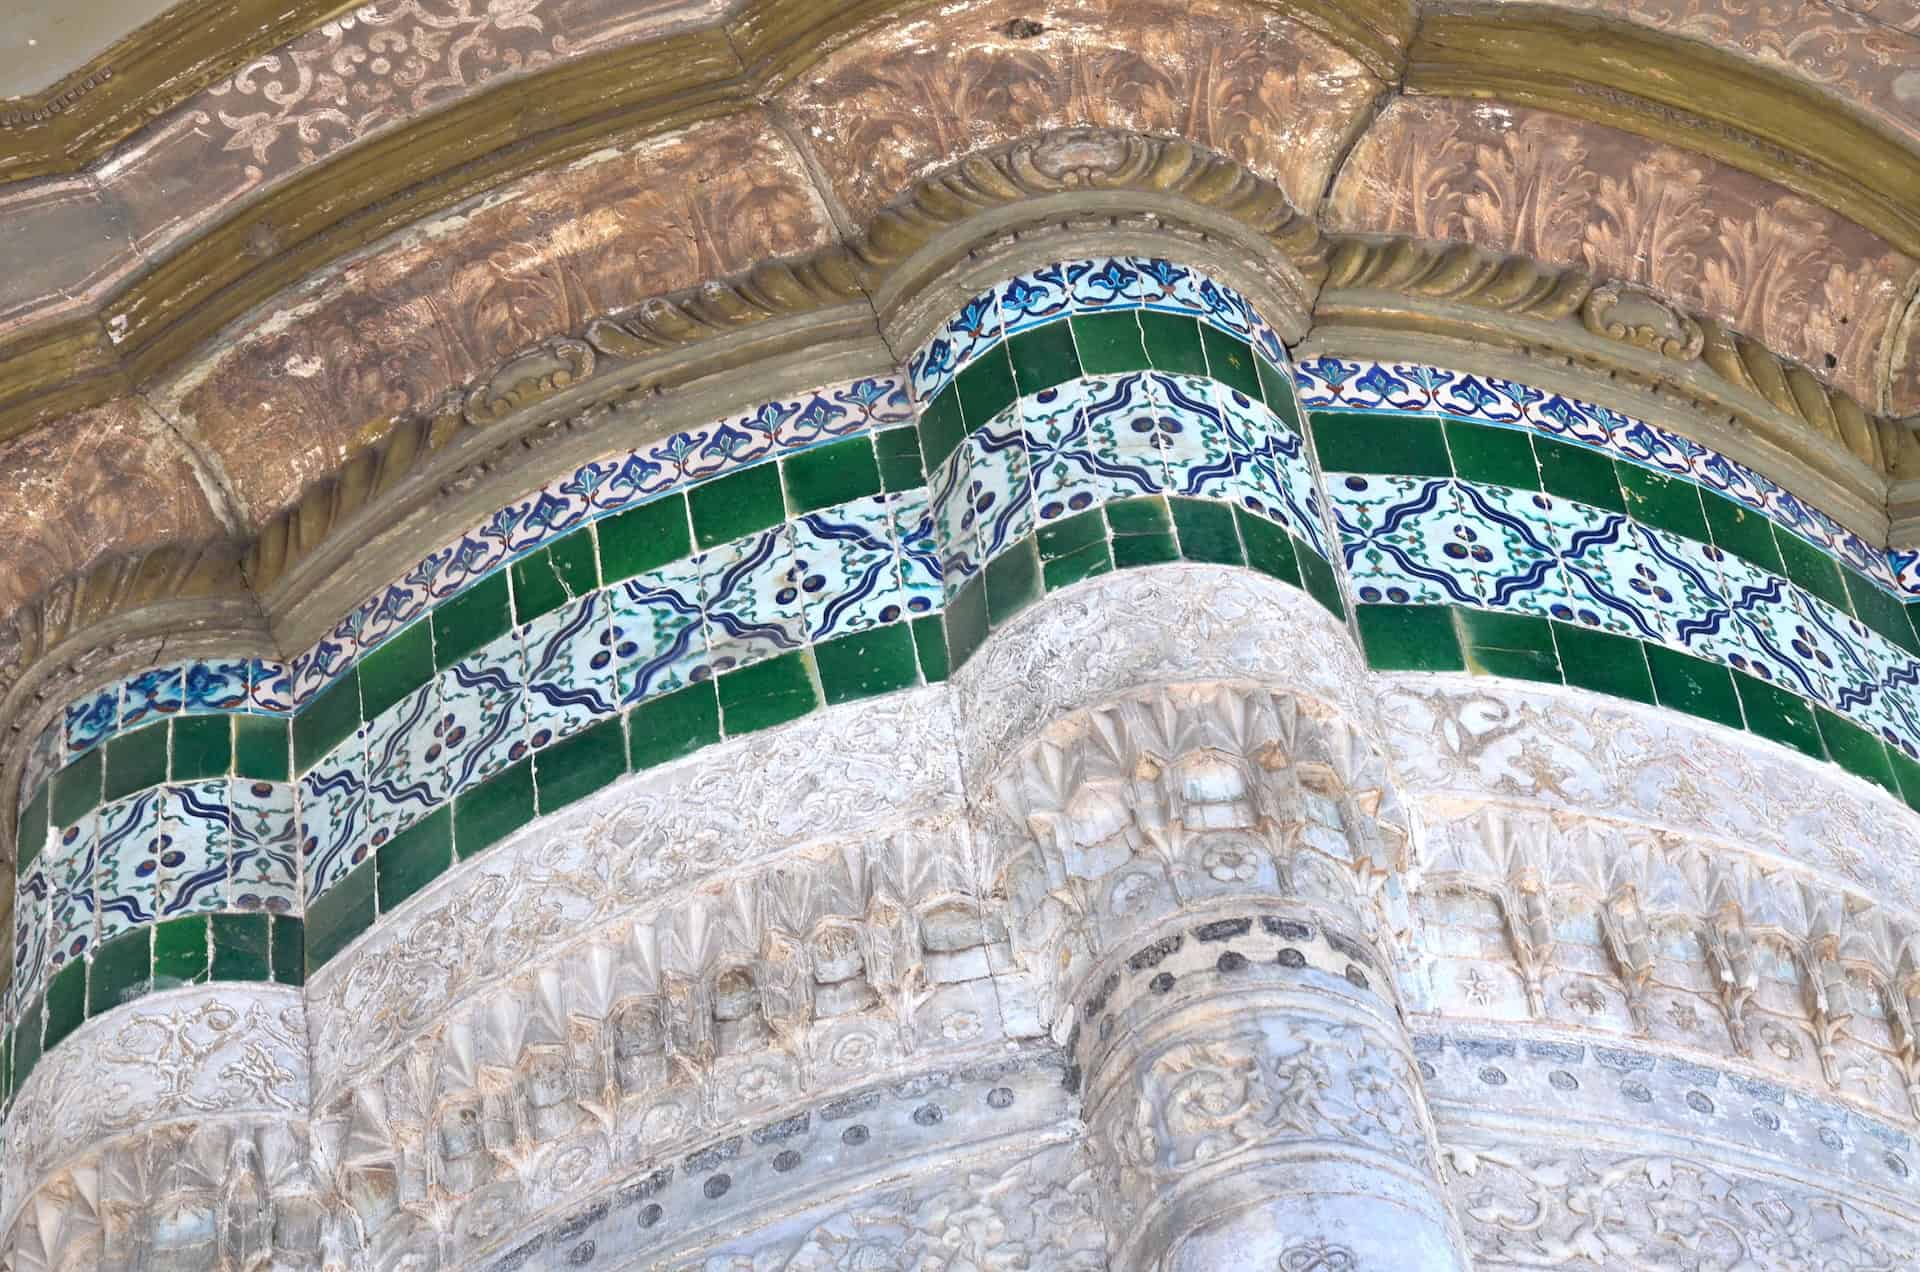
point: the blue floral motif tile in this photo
(483, 716)
(1570, 421)
(751, 599)
(316, 668)
(216, 685)
(550, 512)
(1485, 398)
(844, 568)
(1124, 420)
(737, 441)
(815, 418)
(1225, 308)
(1255, 481)
(961, 339)
(1002, 484)
(153, 693)
(32, 934)
(951, 493)
(1059, 452)
(1108, 282)
(1905, 565)
(1855, 660)
(874, 402)
(1523, 575)
(193, 869)
(1193, 435)
(1167, 286)
(1698, 618)
(1610, 583)
(1404, 541)
(1034, 299)
(465, 561)
(1765, 620)
(404, 763)
(1651, 447)
(919, 553)
(91, 720)
(392, 608)
(270, 687)
(570, 681)
(1369, 386)
(333, 816)
(126, 870)
(69, 873)
(264, 867)
(659, 634)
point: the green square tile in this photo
(827, 476)
(767, 693)
(1269, 548)
(1603, 662)
(1693, 685)
(736, 505)
(867, 663)
(941, 427)
(137, 760)
(1110, 343)
(1317, 577)
(122, 971)
(1081, 563)
(1173, 342)
(76, 788)
(1230, 360)
(66, 1002)
(563, 571)
(580, 765)
(1133, 550)
(1409, 638)
(899, 453)
(1146, 515)
(644, 537)
(1496, 456)
(1576, 473)
(1516, 646)
(327, 720)
(1656, 499)
(966, 620)
(1206, 532)
(180, 952)
(1740, 530)
(1777, 715)
(1854, 749)
(986, 387)
(1515, 664)
(340, 914)
(1878, 609)
(416, 856)
(486, 814)
(26, 1041)
(1405, 445)
(289, 950)
(1013, 582)
(260, 748)
(1043, 357)
(1813, 570)
(33, 826)
(930, 645)
(1069, 535)
(1276, 384)
(202, 747)
(402, 663)
(242, 943)
(473, 618)
(1906, 774)
(673, 725)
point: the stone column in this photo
(1214, 870)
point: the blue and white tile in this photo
(483, 715)
(217, 684)
(1255, 482)
(1124, 420)
(918, 551)
(1611, 585)
(193, 872)
(70, 870)
(1034, 298)
(404, 763)
(1570, 420)
(32, 935)
(466, 561)
(556, 509)
(391, 609)
(814, 418)
(264, 867)
(951, 496)
(1226, 309)
(1514, 526)
(1486, 399)
(1856, 660)
(270, 687)
(1905, 564)
(843, 563)
(1766, 619)
(1286, 457)
(631, 477)
(315, 668)
(873, 403)
(126, 869)
(1194, 438)
(1003, 504)
(92, 720)
(1404, 541)
(333, 816)
(1377, 386)
(1108, 282)
(975, 327)
(659, 634)
(152, 694)
(751, 599)
(1700, 619)
(1059, 452)
(738, 441)
(570, 681)
(1168, 287)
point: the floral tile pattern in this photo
(264, 866)
(659, 631)
(482, 727)
(569, 671)
(193, 865)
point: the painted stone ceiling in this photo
(222, 276)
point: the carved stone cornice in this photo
(1676, 90)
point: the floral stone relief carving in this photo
(1796, 276)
